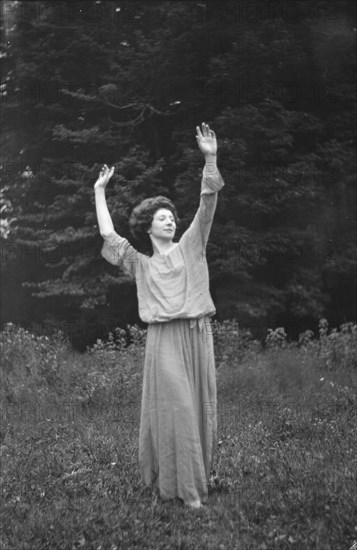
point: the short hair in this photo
(142, 216)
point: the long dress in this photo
(178, 421)
(178, 425)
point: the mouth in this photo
(169, 229)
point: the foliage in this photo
(35, 364)
(335, 348)
(131, 81)
(276, 338)
(284, 466)
(29, 362)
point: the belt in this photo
(200, 322)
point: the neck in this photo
(161, 247)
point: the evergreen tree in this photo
(126, 83)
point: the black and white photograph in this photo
(178, 275)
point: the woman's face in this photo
(163, 225)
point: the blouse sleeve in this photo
(198, 232)
(118, 251)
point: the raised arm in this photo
(104, 219)
(207, 142)
(198, 232)
(116, 249)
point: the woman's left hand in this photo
(206, 140)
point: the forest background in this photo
(126, 83)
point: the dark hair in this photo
(142, 216)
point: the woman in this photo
(178, 426)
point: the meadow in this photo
(284, 472)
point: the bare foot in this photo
(194, 504)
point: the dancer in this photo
(178, 426)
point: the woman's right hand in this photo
(104, 176)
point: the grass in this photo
(284, 472)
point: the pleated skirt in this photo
(178, 425)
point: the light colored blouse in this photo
(176, 284)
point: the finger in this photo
(204, 128)
(209, 131)
(212, 133)
(198, 130)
